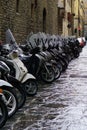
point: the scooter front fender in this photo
(27, 76)
(4, 83)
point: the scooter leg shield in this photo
(27, 76)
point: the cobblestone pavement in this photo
(61, 105)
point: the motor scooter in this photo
(5, 75)
(29, 82)
(38, 66)
(19, 71)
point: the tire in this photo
(76, 54)
(3, 113)
(59, 65)
(64, 65)
(48, 77)
(20, 93)
(21, 96)
(31, 87)
(10, 100)
(57, 71)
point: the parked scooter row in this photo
(43, 57)
(48, 53)
(47, 56)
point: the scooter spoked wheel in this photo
(47, 74)
(3, 113)
(31, 87)
(10, 99)
(57, 71)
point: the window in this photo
(35, 3)
(44, 20)
(17, 6)
(32, 9)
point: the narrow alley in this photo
(61, 105)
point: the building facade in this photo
(24, 16)
(85, 22)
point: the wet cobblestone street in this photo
(61, 105)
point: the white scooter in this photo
(21, 73)
(9, 97)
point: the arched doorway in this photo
(44, 20)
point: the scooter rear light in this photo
(1, 90)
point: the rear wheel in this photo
(57, 71)
(48, 74)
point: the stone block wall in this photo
(31, 15)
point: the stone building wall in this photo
(32, 15)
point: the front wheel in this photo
(10, 99)
(21, 96)
(57, 71)
(3, 113)
(47, 74)
(31, 87)
(76, 54)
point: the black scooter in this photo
(38, 66)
